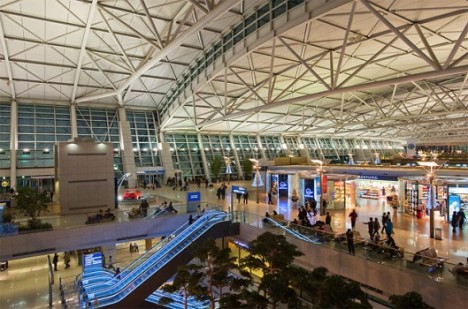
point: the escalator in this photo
(141, 278)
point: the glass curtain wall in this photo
(5, 116)
(186, 155)
(220, 145)
(144, 138)
(327, 148)
(292, 143)
(247, 147)
(272, 147)
(103, 126)
(311, 144)
(39, 129)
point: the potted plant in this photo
(216, 167)
(248, 169)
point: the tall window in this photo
(103, 126)
(186, 154)
(5, 115)
(312, 146)
(293, 145)
(219, 145)
(39, 129)
(272, 147)
(144, 138)
(247, 147)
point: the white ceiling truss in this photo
(393, 69)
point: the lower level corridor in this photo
(25, 283)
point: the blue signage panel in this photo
(237, 189)
(317, 185)
(92, 261)
(193, 197)
(309, 187)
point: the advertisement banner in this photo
(309, 188)
(324, 184)
(237, 189)
(454, 203)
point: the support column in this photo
(240, 170)
(148, 244)
(166, 158)
(73, 121)
(13, 142)
(128, 160)
(109, 252)
(260, 147)
(203, 156)
(303, 152)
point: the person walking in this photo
(55, 261)
(370, 228)
(328, 219)
(455, 221)
(461, 219)
(353, 215)
(246, 197)
(66, 259)
(384, 220)
(350, 241)
(190, 220)
(389, 227)
(376, 229)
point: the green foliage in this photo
(409, 300)
(216, 166)
(32, 203)
(248, 168)
(274, 256)
(335, 292)
(187, 279)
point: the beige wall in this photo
(84, 176)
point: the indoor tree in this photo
(409, 300)
(32, 203)
(274, 257)
(216, 166)
(188, 280)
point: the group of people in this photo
(100, 216)
(458, 219)
(134, 248)
(244, 197)
(221, 191)
(66, 260)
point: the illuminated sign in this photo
(5, 183)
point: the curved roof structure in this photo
(383, 68)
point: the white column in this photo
(260, 147)
(239, 164)
(73, 122)
(303, 151)
(203, 156)
(126, 149)
(109, 252)
(13, 142)
(166, 158)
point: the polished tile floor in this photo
(25, 283)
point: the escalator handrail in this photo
(140, 260)
(123, 283)
(124, 288)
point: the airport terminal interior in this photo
(337, 104)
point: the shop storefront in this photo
(240, 250)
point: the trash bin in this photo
(438, 233)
